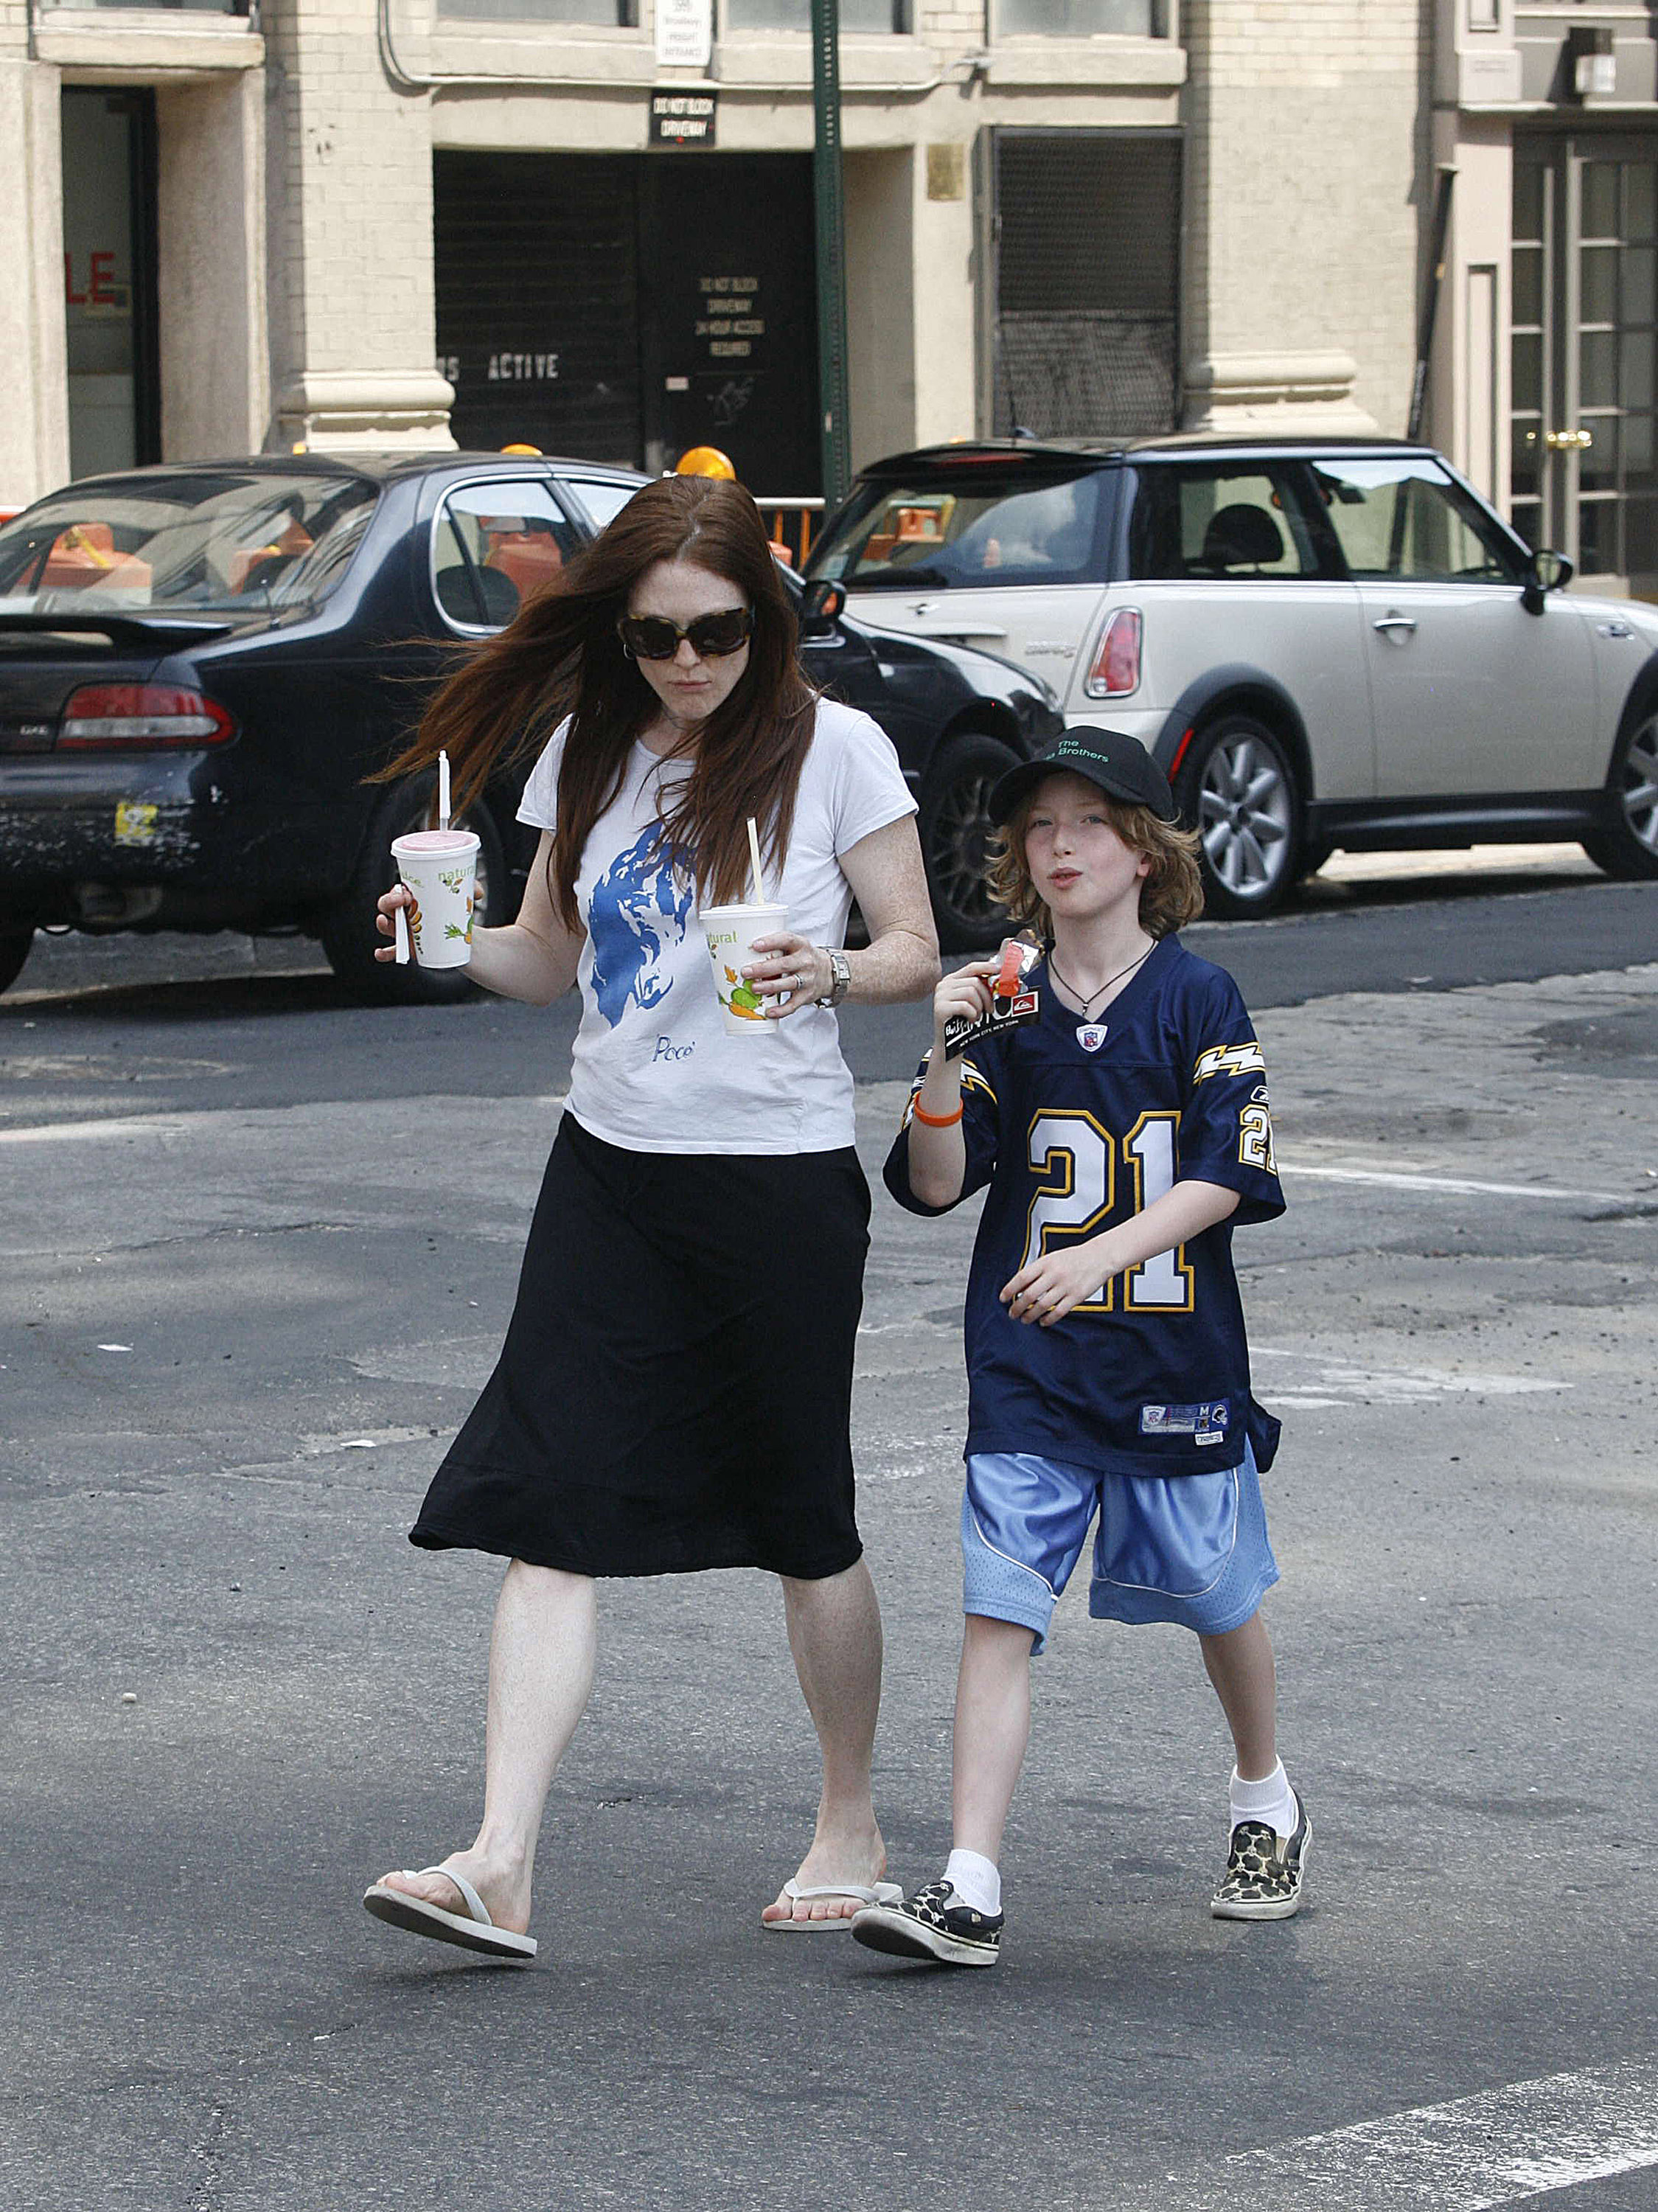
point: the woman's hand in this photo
(789, 973)
(386, 921)
(964, 991)
(533, 958)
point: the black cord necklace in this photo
(1087, 1003)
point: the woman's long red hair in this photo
(560, 657)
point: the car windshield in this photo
(232, 540)
(967, 526)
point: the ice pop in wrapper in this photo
(1012, 1001)
(1017, 955)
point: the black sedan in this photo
(200, 663)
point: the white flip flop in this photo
(867, 1893)
(473, 1931)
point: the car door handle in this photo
(1394, 622)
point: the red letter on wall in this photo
(103, 294)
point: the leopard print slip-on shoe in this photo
(1264, 1871)
(934, 1924)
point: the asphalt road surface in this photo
(259, 1250)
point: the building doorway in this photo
(623, 307)
(1585, 348)
(110, 279)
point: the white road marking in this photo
(215, 1119)
(116, 1127)
(1391, 1180)
(58, 1133)
(1388, 1385)
(1503, 2147)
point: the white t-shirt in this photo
(653, 1069)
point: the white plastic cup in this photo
(731, 932)
(440, 868)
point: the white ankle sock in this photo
(975, 1880)
(1270, 1799)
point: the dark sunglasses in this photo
(653, 637)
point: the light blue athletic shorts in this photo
(1188, 1548)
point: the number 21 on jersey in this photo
(1077, 1160)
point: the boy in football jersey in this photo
(1122, 1123)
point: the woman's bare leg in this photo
(541, 1673)
(835, 1633)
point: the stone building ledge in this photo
(516, 55)
(519, 56)
(142, 45)
(1268, 394)
(1062, 62)
(783, 61)
(365, 411)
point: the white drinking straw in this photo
(443, 791)
(754, 855)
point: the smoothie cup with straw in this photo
(439, 868)
(731, 932)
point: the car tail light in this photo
(1117, 663)
(102, 716)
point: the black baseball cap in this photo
(1119, 764)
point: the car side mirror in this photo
(1550, 572)
(821, 601)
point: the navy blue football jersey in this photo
(1076, 1127)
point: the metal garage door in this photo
(537, 316)
(621, 307)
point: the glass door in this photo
(1585, 333)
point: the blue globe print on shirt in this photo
(638, 909)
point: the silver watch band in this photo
(840, 978)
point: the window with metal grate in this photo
(1087, 236)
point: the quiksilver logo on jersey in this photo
(1229, 1060)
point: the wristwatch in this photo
(841, 978)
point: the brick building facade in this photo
(384, 222)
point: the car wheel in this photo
(14, 945)
(348, 934)
(1239, 792)
(1629, 847)
(956, 829)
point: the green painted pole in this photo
(831, 229)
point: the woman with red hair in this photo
(674, 1391)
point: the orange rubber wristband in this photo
(937, 1121)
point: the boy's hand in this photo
(963, 991)
(1047, 1289)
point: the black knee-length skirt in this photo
(675, 1389)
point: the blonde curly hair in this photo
(1171, 892)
